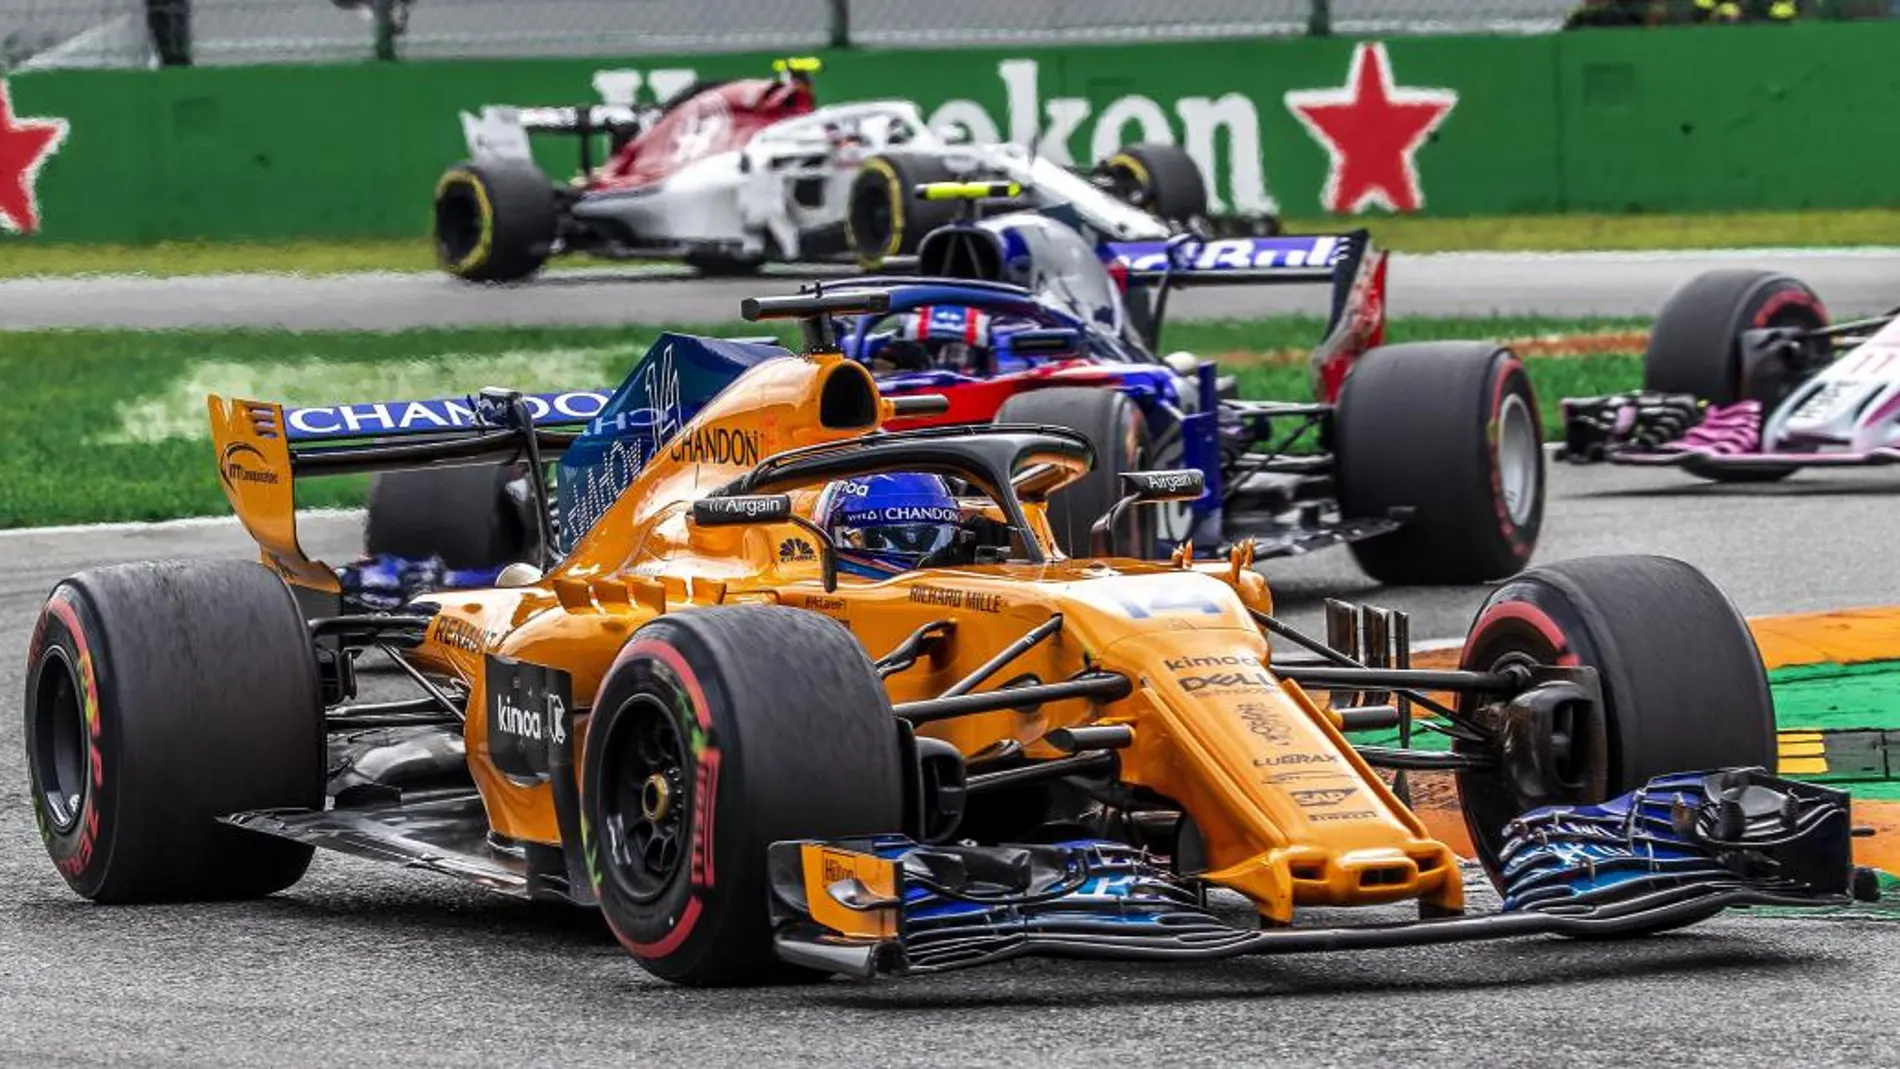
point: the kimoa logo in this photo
(1214, 130)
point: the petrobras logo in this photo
(1232, 254)
(446, 414)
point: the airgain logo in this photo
(796, 549)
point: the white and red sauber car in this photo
(732, 175)
(1746, 379)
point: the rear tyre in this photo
(1115, 426)
(1696, 349)
(882, 218)
(159, 698)
(694, 728)
(1451, 431)
(464, 515)
(495, 221)
(1160, 179)
(1632, 618)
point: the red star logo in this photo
(25, 145)
(1372, 129)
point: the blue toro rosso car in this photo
(1425, 458)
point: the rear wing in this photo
(1187, 261)
(263, 448)
(1348, 262)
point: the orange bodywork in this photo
(1286, 812)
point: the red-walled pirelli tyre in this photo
(1683, 684)
(1449, 430)
(160, 697)
(716, 733)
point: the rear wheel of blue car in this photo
(1118, 430)
(1446, 438)
(716, 733)
(464, 515)
(162, 696)
(1683, 689)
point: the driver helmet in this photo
(881, 525)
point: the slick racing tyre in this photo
(465, 515)
(1160, 179)
(1450, 431)
(1115, 426)
(160, 697)
(1695, 347)
(495, 221)
(1682, 681)
(882, 217)
(716, 733)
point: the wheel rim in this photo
(458, 224)
(59, 741)
(1517, 451)
(643, 809)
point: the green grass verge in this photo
(111, 423)
(1555, 233)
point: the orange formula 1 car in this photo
(756, 768)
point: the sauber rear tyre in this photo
(883, 218)
(159, 698)
(1115, 426)
(463, 514)
(716, 733)
(1449, 430)
(1160, 179)
(1695, 347)
(1683, 685)
(495, 221)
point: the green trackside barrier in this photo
(1750, 117)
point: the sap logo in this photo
(1323, 796)
(1180, 663)
(1227, 681)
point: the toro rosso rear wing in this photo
(263, 447)
(1349, 262)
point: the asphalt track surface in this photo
(1852, 282)
(364, 964)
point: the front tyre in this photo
(1160, 179)
(716, 733)
(1451, 432)
(1683, 685)
(159, 698)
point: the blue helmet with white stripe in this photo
(884, 524)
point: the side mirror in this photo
(744, 510)
(1144, 488)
